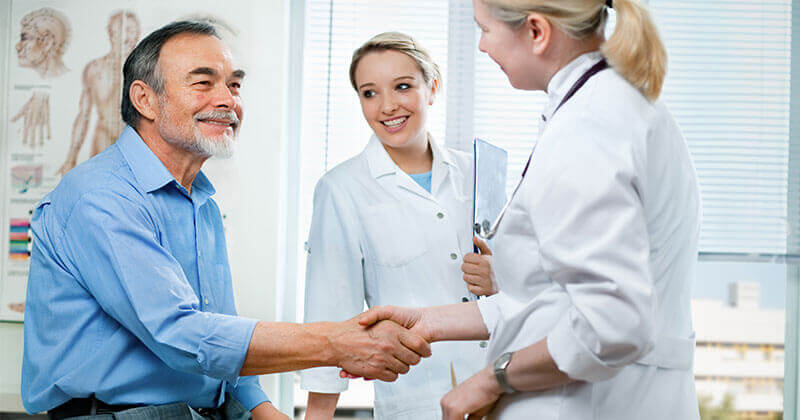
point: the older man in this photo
(130, 304)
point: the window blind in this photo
(728, 87)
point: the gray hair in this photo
(142, 63)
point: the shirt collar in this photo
(148, 169)
(563, 80)
(380, 163)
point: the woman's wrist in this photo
(489, 381)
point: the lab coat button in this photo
(440, 215)
(483, 344)
(453, 256)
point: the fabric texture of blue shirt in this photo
(423, 179)
(129, 293)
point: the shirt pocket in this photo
(394, 236)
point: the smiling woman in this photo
(391, 226)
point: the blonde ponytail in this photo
(635, 49)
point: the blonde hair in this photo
(400, 42)
(635, 49)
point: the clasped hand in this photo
(474, 397)
(378, 350)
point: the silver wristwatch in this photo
(500, 366)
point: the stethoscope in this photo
(484, 229)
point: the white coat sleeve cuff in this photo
(571, 355)
(490, 312)
(324, 380)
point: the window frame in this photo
(459, 131)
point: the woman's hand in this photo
(477, 270)
(476, 396)
(412, 319)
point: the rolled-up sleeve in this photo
(334, 275)
(248, 392)
(594, 242)
(114, 248)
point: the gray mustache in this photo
(227, 116)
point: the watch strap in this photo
(500, 366)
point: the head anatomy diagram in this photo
(44, 36)
(635, 49)
(124, 30)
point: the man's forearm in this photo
(380, 351)
(284, 347)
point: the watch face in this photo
(502, 361)
(500, 372)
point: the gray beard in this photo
(201, 145)
(206, 146)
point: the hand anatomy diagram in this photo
(36, 116)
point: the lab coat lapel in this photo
(403, 181)
(441, 167)
(389, 175)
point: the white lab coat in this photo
(376, 235)
(597, 254)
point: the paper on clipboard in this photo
(489, 194)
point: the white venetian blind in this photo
(505, 116)
(728, 87)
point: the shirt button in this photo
(453, 256)
(440, 215)
(483, 344)
(206, 301)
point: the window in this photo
(729, 88)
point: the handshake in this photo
(381, 343)
(386, 341)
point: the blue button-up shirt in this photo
(129, 293)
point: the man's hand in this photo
(476, 396)
(267, 411)
(378, 350)
(477, 270)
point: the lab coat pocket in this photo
(394, 237)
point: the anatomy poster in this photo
(63, 96)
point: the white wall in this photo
(250, 187)
(10, 333)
